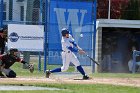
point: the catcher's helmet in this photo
(64, 31)
(12, 50)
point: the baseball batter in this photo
(69, 46)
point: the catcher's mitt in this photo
(31, 68)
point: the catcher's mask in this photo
(14, 52)
(64, 31)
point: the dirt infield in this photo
(135, 82)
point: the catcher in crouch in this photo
(7, 60)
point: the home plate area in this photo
(66, 78)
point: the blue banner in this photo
(77, 17)
(1, 13)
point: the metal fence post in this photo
(134, 61)
(40, 22)
(94, 36)
(46, 34)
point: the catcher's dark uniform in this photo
(7, 60)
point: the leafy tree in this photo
(115, 10)
(132, 12)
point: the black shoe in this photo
(85, 77)
(48, 73)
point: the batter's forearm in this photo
(79, 48)
(72, 49)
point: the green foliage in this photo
(132, 12)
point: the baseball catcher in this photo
(69, 46)
(7, 60)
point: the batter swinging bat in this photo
(92, 59)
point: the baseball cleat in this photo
(48, 73)
(85, 77)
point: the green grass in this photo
(17, 67)
(74, 88)
(81, 88)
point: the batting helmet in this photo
(64, 31)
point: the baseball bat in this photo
(92, 59)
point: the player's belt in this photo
(66, 51)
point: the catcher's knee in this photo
(12, 74)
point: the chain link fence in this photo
(30, 12)
(23, 11)
(33, 12)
